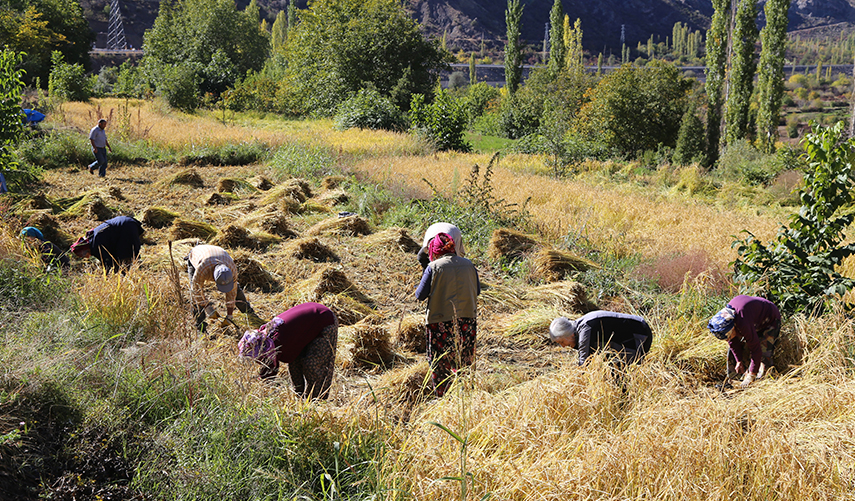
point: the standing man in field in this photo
(210, 263)
(100, 145)
(627, 335)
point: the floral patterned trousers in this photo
(447, 352)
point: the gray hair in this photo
(562, 327)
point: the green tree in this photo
(556, 38)
(11, 84)
(575, 63)
(442, 122)
(210, 37)
(67, 82)
(513, 49)
(340, 46)
(279, 33)
(690, 140)
(771, 81)
(635, 109)
(799, 270)
(715, 75)
(742, 68)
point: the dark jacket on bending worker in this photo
(451, 285)
(628, 335)
(116, 241)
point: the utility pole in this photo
(116, 30)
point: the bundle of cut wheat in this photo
(410, 333)
(310, 248)
(238, 236)
(262, 183)
(394, 238)
(565, 295)
(270, 220)
(220, 198)
(348, 310)
(510, 244)
(50, 228)
(251, 274)
(530, 326)
(232, 185)
(189, 177)
(332, 182)
(348, 226)
(329, 280)
(402, 390)
(184, 228)
(158, 217)
(334, 197)
(90, 205)
(371, 348)
(115, 192)
(553, 264)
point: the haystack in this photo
(509, 244)
(90, 205)
(332, 182)
(552, 264)
(50, 228)
(262, 183)
(183, 228)
(251, 274)
(351, 226)
(220, 198)
(329, 280)
(189, 177)
(371, 347)
(238, 236)
(410, 333)
(302, 185)
(310, 248)
(232, 185)
(394, 238)
(348, 310)
(566, 296)
(334, 197)
(158, 217)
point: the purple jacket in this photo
(752, 315)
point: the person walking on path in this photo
(627, 335)
(432, 231)
(751, 326)
(210, 263)
(51, 255)
(100, 145)
(451, 286)
(304, 337)
(115, 242)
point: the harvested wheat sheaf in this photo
(90, 205)
(219, 199)
(371, 347)
(50, 228)
(330, 280)
(394, 238)
(310, 248)
(352, 226)
(115, 192)
(238, 236)
(183, 228)
(531, 325)
(251, 274)
(231, 185)
(410, 333)
(302, 185)
(348, 310)
(41, 201)
(271, 220)
(552, 264)
(334, 197)
(401, 390)
(332, 182)
(189, 177)
(158, 217)
(567, 296)
(262, 183)
(510, 244)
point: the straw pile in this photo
(220, 199)
(565, 296)
(271, 220)
(41, 201)
(314, 206)
(251, 274)
(552, 264)
(310, 248)
(530, 326)
(115, 192)
(184, 228)
(50, 228)
(401, 390)
(187, 177)
(332, 182)
(292, 190)
(348, 310)
(371, 347)
(329, 280)
(262, 183)
(334, 197)
(158, 217)
(410, 334)
(302, 185)
(90, 205)
(394, 238)
(238, 236)
(509, 244)
(231, 185)
(351, 226)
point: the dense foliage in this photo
(10, 110)
(340, 46)
(513, 55)
(556, 38)
(442, 122)
(771, 81)
(67, 82)
(367, 109)
(799, 270)
(742, 69)
(715, 75)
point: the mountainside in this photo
(467, 22)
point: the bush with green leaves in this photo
(10, 105)
(104, 81)
(742, 162)
(691, 140)
(130, 82)
(179, 86)
(478, 98)
(368, 109)
(799, 269)
(67, 82)
(442, 122)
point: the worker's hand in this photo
(211, 312)
(739, 368)
(747, 380)
(226, 321)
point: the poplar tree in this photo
(513, 52)
(771, 81)
(292, 15)
(715, 73)
(557, 50)
(473, 76)
(573, 44)
(279, 33)
(742, 69)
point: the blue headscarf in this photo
(30, 231)
(722, 322)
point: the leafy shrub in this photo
(256, 92)
(67, 81)
(103, 83)
(368, 109)
(178, 86)
(55, 149)
(130, 82)
(691, 140)
(741, 161)
(478, 98)
(799, 269)
(519, 115)
(441, 122)
(243, 153)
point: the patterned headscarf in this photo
(722, 322)
(440, 245)
(257, 345)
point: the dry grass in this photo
(552, 265)
(510, 244)
(345, 226)
(310, 248)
